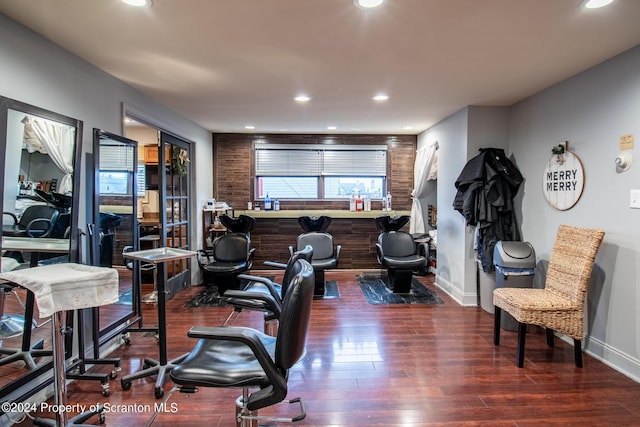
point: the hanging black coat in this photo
(486, 188)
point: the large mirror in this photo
(40, 154)
(117, 181)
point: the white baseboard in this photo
(467, 300)
(612, 357)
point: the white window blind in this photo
(339, 161)
(116, 158)
(355, 163)
(288, 163)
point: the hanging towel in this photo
(67, 286)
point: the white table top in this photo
(34, 244)
(67, 286)
(158, 255)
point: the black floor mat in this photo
(376, 291)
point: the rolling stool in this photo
(58, 288)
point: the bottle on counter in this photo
(359, 203)
(367, 203)
(276, 205)
(267, 203)
(352, 202)
(388, 201)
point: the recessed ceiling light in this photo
(595, 4)
(332, 127)
(249, 127)
(138, 3)
(407, 128)
(302, 98)
(368, 4)
(381, 97)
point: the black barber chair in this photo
(230, 255)
(325, 254)
(35, 221)
(241, 357)
(399, 254)
(262, 294)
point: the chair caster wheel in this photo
(126, 385)
(159, 392)
(114, 374)
(105, 391)
(101, 417)
(126, 338)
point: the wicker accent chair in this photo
(560, 305)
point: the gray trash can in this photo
(486, 283)
(515, 266)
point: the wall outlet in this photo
(634, 202)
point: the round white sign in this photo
(563, 180)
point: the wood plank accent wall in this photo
(234, 182)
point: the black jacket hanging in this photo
(486, 188)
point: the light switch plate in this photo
(635, 199)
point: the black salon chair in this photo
(230, 255)
(35, 221)
(241, 357)
(400, 255)
(262, 294)
(325, 255)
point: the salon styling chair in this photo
(242, 357)
(35, 221)
(325, 254)
(401, 256)
(262, 294)
(230, 255)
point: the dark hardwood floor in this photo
(394, 365)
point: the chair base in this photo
(319, 289)
(400, 280)
(246, 418)
(153, 367)
(522, 333)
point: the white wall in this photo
(451, 135)
(38, 72)
(591, 110)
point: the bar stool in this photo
(58, 288)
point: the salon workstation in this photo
(223, 220)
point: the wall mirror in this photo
(40, 154)
(116, 185)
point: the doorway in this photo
(164, 177)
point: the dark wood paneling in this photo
(272, 238)
(234, 174)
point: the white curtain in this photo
(421, 168)
(58, 141)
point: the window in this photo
(306, 171)
(116, 176)
(114, 182)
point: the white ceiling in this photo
(228, 63)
